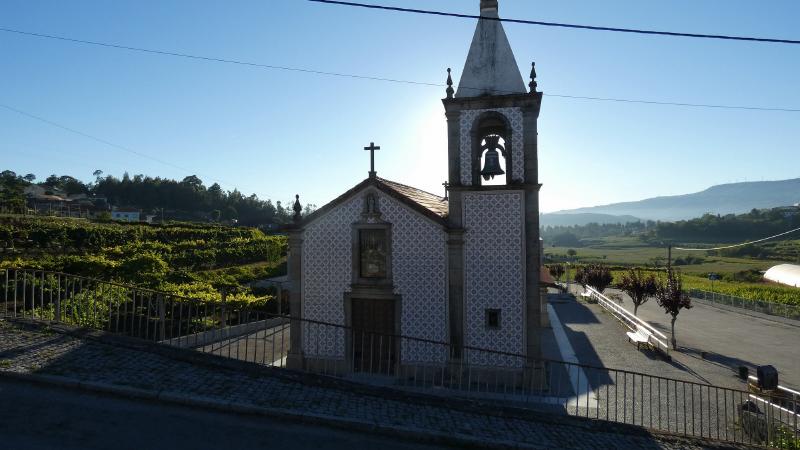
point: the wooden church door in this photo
(374, 343)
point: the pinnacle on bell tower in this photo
(491, 68)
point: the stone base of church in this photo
(295, 361)
(328, 366)
(531, 379)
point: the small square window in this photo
(492, 318)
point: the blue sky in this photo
(277, 133)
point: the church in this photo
(461, 270)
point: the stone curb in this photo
(404, 433)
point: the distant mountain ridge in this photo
(733, 198)
(565, 220)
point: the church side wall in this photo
(494, 274)
(419, 267)
(327, 249)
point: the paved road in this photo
(598, 339)
(34, 417)
(731, 339)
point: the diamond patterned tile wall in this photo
(419, 265)
(494, 262)
(467, 120)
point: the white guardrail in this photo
(629, 319)
(792, 401)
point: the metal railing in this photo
(119, 308)
(239, 331)
(656, 338)
(773, 309)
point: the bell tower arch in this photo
(494, 256)
(490, 138)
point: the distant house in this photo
(789, 211)
(126, 214)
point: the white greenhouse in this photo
(784, 274)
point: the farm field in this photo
(740, 276)
(192, 260)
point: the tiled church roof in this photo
(432, 202)
(427, 204)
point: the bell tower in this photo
(494, 299)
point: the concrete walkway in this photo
(730, 339)
(112, 364)
(713, 342)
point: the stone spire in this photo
(491, 68)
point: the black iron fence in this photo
(239, 330)
(760, 306)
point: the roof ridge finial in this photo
(533, 83)
(297, 209)
(450, 90)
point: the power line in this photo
(377, 78)
(108, 143)
(692, 105)
(736, 245)
(561, 25)
(212, 59)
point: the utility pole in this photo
(669, 256)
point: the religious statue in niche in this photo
(371, 209)
(373, 253)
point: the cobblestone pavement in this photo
(68, 419)
(95, 358)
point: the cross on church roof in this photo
(371, 150)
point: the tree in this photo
(51, 181)
(97, 173)
(595, 275)
(194, 182)
(29, 178)
(556, 270)
(671, 297)
(571, 252)
(566, 240)
(639, 287)
(12, 188)
(215, 215)
(230, 213)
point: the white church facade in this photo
(454, 272)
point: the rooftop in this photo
(491, 68)
(431, 202)
(430, 205)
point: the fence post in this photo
(5, 295)
(223, 319)
(58, 299)
(162, 327)
(41, 297)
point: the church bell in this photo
(492, 165)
